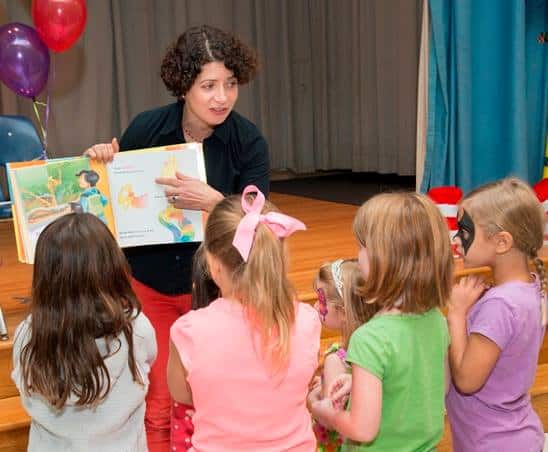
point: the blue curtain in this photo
(488, 92)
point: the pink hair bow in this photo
(281, 225)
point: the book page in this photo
(42, 191)
(142, 214)
(123, 194)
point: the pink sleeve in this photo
(181, 335)
(316, 332)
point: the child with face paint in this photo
(496, 332)
(340, 308)
(398, 357)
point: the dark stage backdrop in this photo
(337, 89)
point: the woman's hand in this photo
(184, 192)
(103, 152)
(465, 294)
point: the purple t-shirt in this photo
(499, 417)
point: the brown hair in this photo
(356, 311)
(261, 283)
(201, 45)
(410, 260)
(80, 291)
(204, 289)
(510, 205)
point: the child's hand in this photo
(322, 411)
(314, 396)
(316, 381)
(465, 293)
(339, 390)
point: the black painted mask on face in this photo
(466, 231)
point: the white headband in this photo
(337, 276)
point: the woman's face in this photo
(213, 95)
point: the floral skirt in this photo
(328, 440)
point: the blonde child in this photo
(497, 332)
(398, 357)
(82, 357)
(245, 360)
(340, 308)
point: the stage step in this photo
(12, 317)
(14, 425)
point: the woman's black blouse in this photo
(236, 155)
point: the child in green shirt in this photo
(398, 357)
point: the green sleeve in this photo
(369, 349)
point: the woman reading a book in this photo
(203, 70)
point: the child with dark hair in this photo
(204, 291)
(81, 358)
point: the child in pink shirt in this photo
(246, 360)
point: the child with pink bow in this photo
(245, 361)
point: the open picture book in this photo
(122, 193)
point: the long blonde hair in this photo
(410, 260)
(260, 284)
(511, 205)
(356, 312)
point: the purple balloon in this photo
(24, 59)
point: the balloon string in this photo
(46, 126)
(47, 104)
(50, 82)
(39, 120)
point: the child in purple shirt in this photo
(496, 333)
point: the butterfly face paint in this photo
(322, 304)
(466, 231)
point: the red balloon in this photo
(59, 22)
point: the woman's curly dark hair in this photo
(201, 45)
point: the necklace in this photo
(193, 137)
